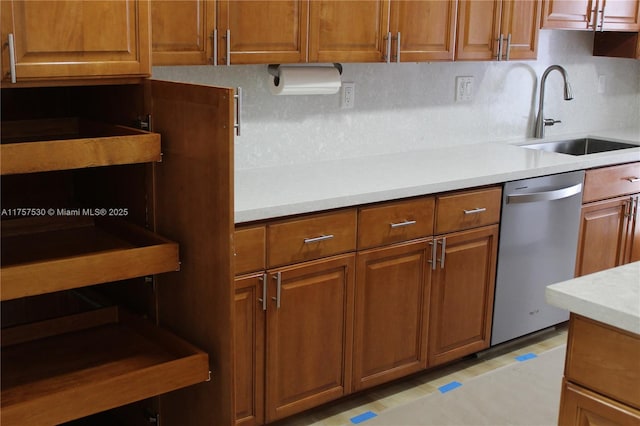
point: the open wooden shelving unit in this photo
(65, 368)
(42, 255)
(69, 367)
(30, 146)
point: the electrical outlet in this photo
(348, 99)
(464, 89)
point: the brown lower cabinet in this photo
(610, 220)
(600, 385)
(348, 316)
(462, 294)
(309, 335)
(391, 314)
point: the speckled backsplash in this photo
(411, 106)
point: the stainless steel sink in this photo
(581, 146)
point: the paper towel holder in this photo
(274, 70)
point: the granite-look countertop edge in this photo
(611, 296)
(272, 192)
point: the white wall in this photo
(409, 106)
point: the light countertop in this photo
(271, 192)
(611, 296)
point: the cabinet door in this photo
(619, 15)
(348, 31)
(257, 32)
(249, 350)
(478, 30)
(568, 14)
(426, 29)
(603, 228)
(462, 294)
(581, 407)
(309, 335)
(76, 39)
(182, 32)
(520, 23)
(391, 313)
(196, 124)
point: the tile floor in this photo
(405, 390)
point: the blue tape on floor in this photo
(449, 386)
(526, 356)
(362, 417)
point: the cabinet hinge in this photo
(144, 122)
(152, 417)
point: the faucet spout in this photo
(568, 95)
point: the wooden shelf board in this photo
(63, 369)
(30, 146)
(43, 255)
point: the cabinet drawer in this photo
(394, 222)
(311, 237)
(249, 249)
(605, 359)
(468, 209)
(609, 182)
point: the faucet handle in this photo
(551, 121)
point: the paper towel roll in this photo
(306, 80)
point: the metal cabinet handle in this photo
(443, 243)
(499, 57)
(398, 48)
(633, 179)
(228, 54)
(263, 300)
(317, 239)
(401, 224)
(508, 46)
(238, 97)
(12, 57)
(388, 55)
(434, 249)
(214, 36)
(478, 210)
(601, 24)
(556, 194)
(278, 278)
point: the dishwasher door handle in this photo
(556, 194)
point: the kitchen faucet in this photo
(541, 122)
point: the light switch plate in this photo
(464, 88)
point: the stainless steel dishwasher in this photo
(538, 242)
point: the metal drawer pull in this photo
(398, 48)
(633, 179)
(478, 210)
(401, 224)
(317, 239)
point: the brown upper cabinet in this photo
(235, 32)
(183, 32)
(257, 32)
(598, 15)
(422, 30)
(498, 30)
(46, 41)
